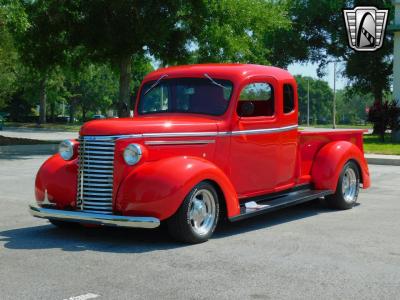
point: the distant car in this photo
(96, 117)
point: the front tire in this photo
(346, 194)
(197, 217)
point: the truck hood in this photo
(150, 124)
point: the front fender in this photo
(329, 162)
(58, 178)
(158, 188)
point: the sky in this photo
(305, 69)
(308, 69)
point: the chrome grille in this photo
(95, 178)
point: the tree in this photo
(12, 19)
(321, 96)
(8, 66)
(42, 43)
(385, 115)
(98, 88)
(320, 33)
(116, 31)
(351, 107)
(237, 31)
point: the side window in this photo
(288, 98)
(256, 99)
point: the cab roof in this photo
(234, 72)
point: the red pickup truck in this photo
(206, 142)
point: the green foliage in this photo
(115, 29)
(384, 115)
(12, 20)
(321, 100)
(141, 66)
(8, 66)
(319, 35)
(256, 92)
(98, 88)
(237, 31)
(371, 72)
(42, 45)
(88, 56)
(351, 107)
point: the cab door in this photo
(288, 115)
(255, 143)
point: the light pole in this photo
(334, 95)
(308, 102)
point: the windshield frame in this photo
(168, 80)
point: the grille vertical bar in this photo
(95, 175)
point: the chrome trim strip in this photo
(180, 134)
(165, 143)
(94, 218)
(262, 131)
(189, 134)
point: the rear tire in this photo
(346, 194)
(197, 217)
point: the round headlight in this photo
(66, 149)
(132, 154)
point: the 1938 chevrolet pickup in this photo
(206, 142)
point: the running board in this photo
(262, 206)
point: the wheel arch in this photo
(358, 168)
(172, 187)
(221, 197)
(329, 162)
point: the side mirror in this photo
(246, 109)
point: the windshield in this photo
(186, 95)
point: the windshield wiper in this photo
(155, 83)
(214, 82)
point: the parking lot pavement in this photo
(302, 252)
(38, 134)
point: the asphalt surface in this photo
(39, 134)
(304, 252)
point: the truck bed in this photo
(310, 142)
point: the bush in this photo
(384, 115)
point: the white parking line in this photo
(83, 297)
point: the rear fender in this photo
(158, 188)
(329, 162)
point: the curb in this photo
(386, 160)
(27, 150)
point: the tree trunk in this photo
(72, 111)
(124, 86)
(42, 101)
(52, 111)
(378, 99)
(83, 113)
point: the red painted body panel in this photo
(59, 178)
(329, 161)
(153, 190)
(243, 164)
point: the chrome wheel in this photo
(349, 185)
(202, 211)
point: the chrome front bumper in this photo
(93, 218)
